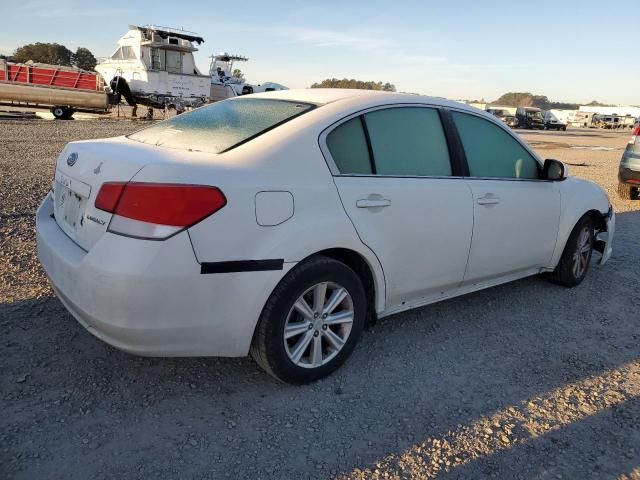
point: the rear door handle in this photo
(373, 202)
(488, 199)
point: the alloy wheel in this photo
(318, 325)
(582, 254)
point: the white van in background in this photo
(553, 122)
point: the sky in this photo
(569, 50)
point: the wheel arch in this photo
(364, 270)
(578, 198)
(599, 224)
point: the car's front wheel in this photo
(311, 322)
(576, 257)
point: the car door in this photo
(395, 178)
(516, 213)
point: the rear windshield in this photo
(221, 126)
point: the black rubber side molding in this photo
(242, 266)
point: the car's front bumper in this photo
(149, 297)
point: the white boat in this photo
(157, 65)
(225, 85)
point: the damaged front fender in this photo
(604, 239)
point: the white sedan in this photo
(279, 224)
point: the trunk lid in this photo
(81, 169)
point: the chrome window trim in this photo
(322, 141)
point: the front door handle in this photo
(488, 199)
(373, 202)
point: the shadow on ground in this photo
(74, 407)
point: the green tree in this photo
(237, 73)
(516, 99)
(353, 83)
(52, 53)
(84, 59)
(595, 103)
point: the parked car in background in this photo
(504, 115)
(530, 118)
(551, 122)
(279, 224)
(629, 171)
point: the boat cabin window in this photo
(124, 53)
(167, 60)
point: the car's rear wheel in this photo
(576, 257)
(311, 322)
(626, 191)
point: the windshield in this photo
(221, 126)
(534, 114)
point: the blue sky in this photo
(568, 50)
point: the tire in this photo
(567, 272)
(625, 191)
(62, 113)
(276, 354)
(59, 113)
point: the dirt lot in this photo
(526, 380)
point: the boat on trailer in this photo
(64, 90)
(154, 66)
(224, 84)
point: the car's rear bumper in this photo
(149, 297)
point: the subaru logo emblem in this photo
(72, 159)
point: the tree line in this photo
(526, 99)
(53, 54)
(353, 83)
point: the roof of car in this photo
(322, 96)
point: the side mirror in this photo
(555, 170)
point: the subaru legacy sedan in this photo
(279, 224)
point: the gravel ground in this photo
(525, 380)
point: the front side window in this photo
(222, 125)
(408, 141)
(492, 152)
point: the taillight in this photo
(157, 210)
(634, 135)
(109, 195)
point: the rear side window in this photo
(221, 126)
(408, 141)
(348, 146)
(492, 152)
(404, 141)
